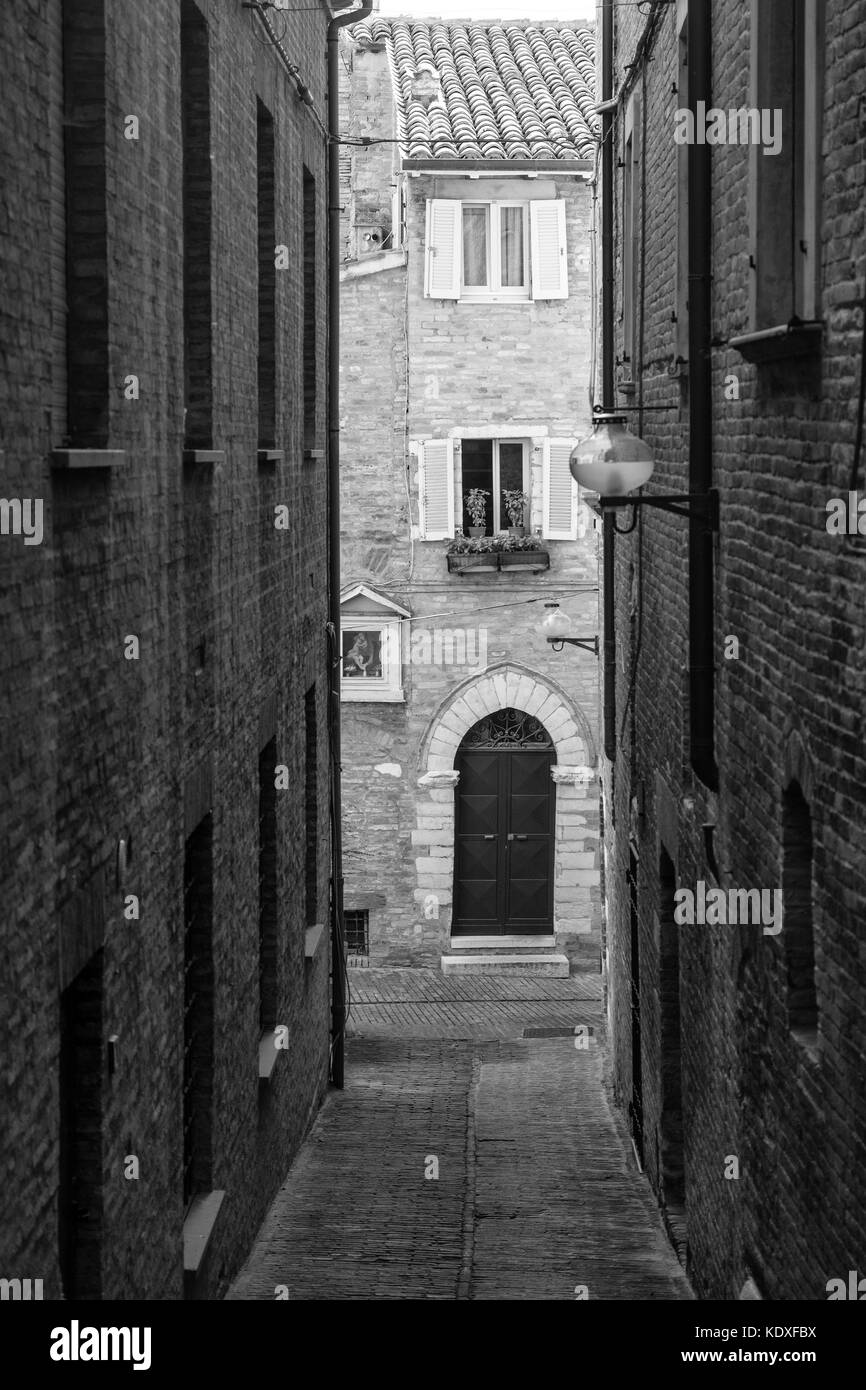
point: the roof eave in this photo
(499, 166)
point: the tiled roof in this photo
(509, 90)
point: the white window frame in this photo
(497, 523)
(494, 290)
(384, 689)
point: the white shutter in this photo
(547, 240)
(442, 249)
(559, 491)
(436, 489)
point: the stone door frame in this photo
(575, 870)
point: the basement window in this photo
(357, 923)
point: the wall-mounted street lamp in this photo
(614, 462)
(556, 628)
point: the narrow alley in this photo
(497, 1082)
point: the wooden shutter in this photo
(436, 489)
(547, 241)
(559, 491)
(442, 249)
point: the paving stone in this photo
(536, 1192)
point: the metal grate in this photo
(357, 924)
(507, 728)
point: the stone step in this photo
(473, 945)
(504, 964)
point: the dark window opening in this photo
(311, 347)
(495, 467)
(311, 801)
(357, 923)
(81, 1072)
(267, 887)
(798, 929)
(267, 354)
(636, 1105)
(85, 144)
(671, 1151)
(198, 1010)
(197, 314)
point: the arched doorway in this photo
(504, 828)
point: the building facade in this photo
(469, 744)
(735, 761)
(166, 667)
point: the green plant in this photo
(476, 506)
(473, 545)
(516, 503)
(512, 543)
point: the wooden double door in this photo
(504, 842)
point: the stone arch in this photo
(576, 873)
(508, 684)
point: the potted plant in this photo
(476, 506)
(516, 503)
(524, 552)
(471, 553)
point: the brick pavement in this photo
(536, 1193)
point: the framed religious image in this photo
(370, 659)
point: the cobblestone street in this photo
(537, 1192)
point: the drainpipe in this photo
(607, 386)
(701, 604)
(338, 936)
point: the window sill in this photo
(204, 456)
(377, 697)
(376, 261)
(268, 1055)
(198, 1228)
(496, 299)
(797, 338)
(269, 455)
(87, 458)
(315, 935)
(312, 455)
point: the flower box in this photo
(469, 564)
(533, 560)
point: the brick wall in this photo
(785, 709)
(230, 615)
(415, 368)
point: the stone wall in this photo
(229, 614)
(790, 1109)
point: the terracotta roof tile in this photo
(509, 90)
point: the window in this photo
(85, 149)
(310, 337)
(798, 931)
(357, 922)
(494, 466)
(496, 251)
(682, 304)
(446, 476)
(79, 1207)
(786, 85)
(197, 313)
(267, 288)
(268, 911)
(630, 243)
(198, 1005)
(311, 807)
